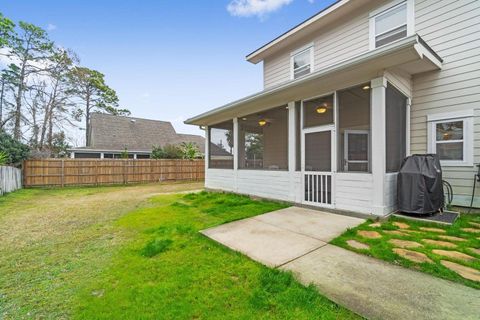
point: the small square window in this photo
(301, 63)
(451, 139)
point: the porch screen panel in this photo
(220, 153)
(396, 128)
(263, 140)
(354, 138)
(318, 151)
(318, 111)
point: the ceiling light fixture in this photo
(262, 122)
(321, 108)
(366, 87)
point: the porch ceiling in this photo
(411, 54)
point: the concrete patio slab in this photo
(263, 242)
(378, 290)
(313, 223)
(278, 237)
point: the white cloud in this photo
(259, 8)
(51, 27)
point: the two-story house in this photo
(347, 95)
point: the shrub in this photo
(169, 151)
(190, 150)
(15, 151)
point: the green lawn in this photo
(129, 253)
(381, 248)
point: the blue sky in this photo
(168, 60)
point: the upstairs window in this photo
(391, 24)
(302, 62)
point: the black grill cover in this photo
(419, 184)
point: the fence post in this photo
(63, 173)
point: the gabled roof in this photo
(109, 132)
(317, 21)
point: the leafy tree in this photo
(15, 150)
(90, 88)
(29, 49)
(6, 31)
(59, 146)
(169, 151)
(3, 158)
(190, 151)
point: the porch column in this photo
(409, 105)
(207, 139)
(236, 149)
(292, 151)
(378, 114)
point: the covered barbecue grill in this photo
(419, 185)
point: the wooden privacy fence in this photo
(69, 172)
(10, 179)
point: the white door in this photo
(318, 161)
(356, 150)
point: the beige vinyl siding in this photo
(341, 41)
(452, 29)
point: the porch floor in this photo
(296, 239)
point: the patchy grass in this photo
(382, 249)
(121, 253)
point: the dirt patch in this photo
(437, 230)
(463, 271)
(404, 243)
(369, 234)
(413, 256)
(451, 238)
(440, 243)
(454, 255)
(401, 225)
(471, 230)
(357, 245)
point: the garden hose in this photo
(448, 187)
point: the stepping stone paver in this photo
(369, 234)
(451, 238)
(440, 243)
(437, 230)
(401, 225)
(411, 231)
(471, 230)
(474, 250)
(375, 225)
(404, 243)
(454, 255)
(395, 233)
(357, 245)
(465, 272)
(475, 224)
(413, 256)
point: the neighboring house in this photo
(110, 135)
(347, 95)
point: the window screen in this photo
(318, 111)
(354, 138)
(220, 153)
(396, 128)
(263, 140)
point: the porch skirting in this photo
(351, 192)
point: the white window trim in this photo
(467, 118)
(346, 133)
(310, 47)
(392, 5)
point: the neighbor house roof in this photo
(109, 132)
